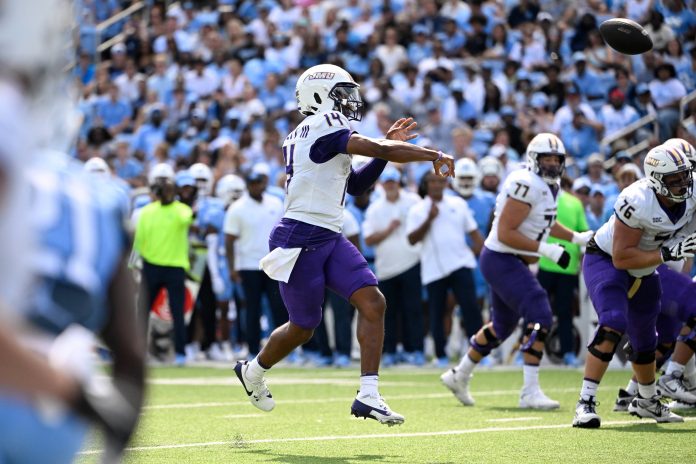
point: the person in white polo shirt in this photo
(248, 224)
(397, 267)
(446, 267)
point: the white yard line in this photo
(242, 416)
(423, 396)
(514, 419)
(224, 381)
(240, 443)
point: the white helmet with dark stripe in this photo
(326, 87)
(667, 169)
(546, 144)
(685, 147)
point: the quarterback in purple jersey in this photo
(308, 251)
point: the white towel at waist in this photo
(278, 264)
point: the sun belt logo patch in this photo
(320, 75)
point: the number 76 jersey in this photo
(527, 187)
(638, 207)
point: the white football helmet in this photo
(490, 166)
(467, 177)
(327, 87)
(203, 176)
(230, 188)
(97, 166)
(36, 48)
(160, 171)
(546, 144)
(662, 162)
(685, 147)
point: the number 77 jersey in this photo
(527, 187)
(317, 168)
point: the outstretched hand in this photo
(401, 128)
(444, 166)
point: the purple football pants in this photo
(327, 260)
(608, 289)
(515, 293)
(678, 304)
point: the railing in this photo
(684, 104)
(137, 6)
(644, 121)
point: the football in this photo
(626, 36)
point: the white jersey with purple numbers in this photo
(637, 206)
(527, 187)
(317, 169)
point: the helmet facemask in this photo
(347, 100)
(465, 185)
(681, 179)
(550, 174)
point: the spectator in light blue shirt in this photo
(149, 135)
(84, 71)
(124, 165)
(421, 48)
(114, 112)
(579, 138)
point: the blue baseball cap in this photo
(184, 178)
(390, 173)
(642, 88)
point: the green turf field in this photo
(201, 415)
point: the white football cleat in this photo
(674, 387)
(536, 399)
(258, 392)
(623, 399)
(374, 407)
(586, 416)
(215, 353)
(679, 406)
(459, 387)
(652, 408)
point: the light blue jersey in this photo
(210, 219)
(481, 205)
(79, 222)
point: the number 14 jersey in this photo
(638, 207)
(317, 168)
(527, 187)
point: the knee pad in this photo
(600, 336)
(534, 334)
(642, 357)
(690, 338)
(491, 342)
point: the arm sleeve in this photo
(362, 179)
(327, 146)
(212, 256)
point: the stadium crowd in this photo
(211, 84)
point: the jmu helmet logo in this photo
(320, 75)
(652, 161)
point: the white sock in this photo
(632, 387)
(465, 367)
(531, 377)
(589, 389)
(647, 391)
(255, 371)
(675, 369)
(368, 385)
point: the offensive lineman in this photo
(525, 215)
(619, 271)
(308, 251)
